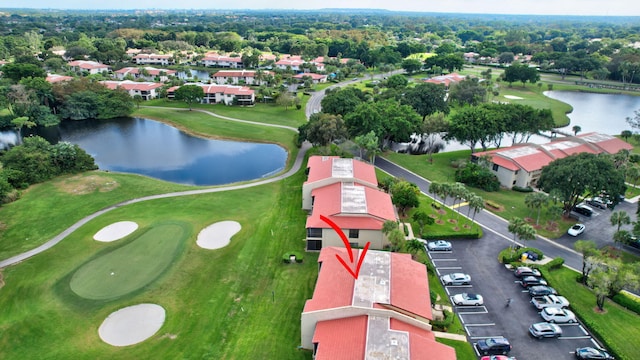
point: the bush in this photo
(477, 176)
(628, 301)
(443, 325)
(433, 236)
(511, 256)
(555, 263)
(493, 204)
(527, 189)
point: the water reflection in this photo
(151, 148)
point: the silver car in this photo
(558, 315)
(545, 329)
(456, 279)
(439, 245)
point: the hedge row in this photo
(475, 235)
(286, 258)
(628, 301)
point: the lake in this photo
(604, 113)
(154, 149)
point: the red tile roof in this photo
(409, 286)
(152, 56)
(446, 79)
(334, 287)
(320, 168)
(423, 343)
(328, 202)
(219, 89)
(218, 57)
(239, 73)
(150, 70)
(54, 78)
(607, 143)
(341, 339)
(131, 85)
(313, 76)
(87, 65)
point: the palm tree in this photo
(413, 246)
(576, 129)
(476, 203)
(526, 232)
(536, 200)
(619, 218)
(633, 173)
(445, 192)
(435, 188)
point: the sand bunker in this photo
(512, 97)
(115, 231)
(132, 324)
(218, 235)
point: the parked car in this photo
(541, 290)
(439, 245)
(583, 209)
(587, 353)
(557, 301)
(532, 281)
(545, 329)
(599, 202)
(576, 229)
(456, 279)
(467, 299)
(526, 271)
(558, 315)
(493, 346)
(497, 357)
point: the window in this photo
(354, 245)
(354, 233)
(314, 245)
(495, 167)
(314, 232)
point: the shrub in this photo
(477, 176)
(628, 301)
(443, 325)
(511, 256)
(493, 204)
(432, 236)
(555, 263)
(527, 189)
(286, 258)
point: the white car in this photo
(467, 299)
(558, 315)
(439, 245)
(576, 230)
(456, 279)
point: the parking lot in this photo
(496, 284)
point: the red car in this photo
(497, 357)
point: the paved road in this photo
(490, 222)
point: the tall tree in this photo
(404, 195)
(579, 175)
(619, 218)
(476, 204)
(426, 99)
(369, 143)
(433, 128)
(588, 249)
(576, 129)
(189, 94)
(536, 200)
(322, 129)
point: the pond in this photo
(604, 113)
(151, 148)
(195, 75)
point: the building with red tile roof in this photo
(385, 313)
(327, 170)
(149, 73)
(240, 77)
(92, 67)
(217, 60)
(315, 78)
(54, 78)
(153, 59)
(521, 165)
(224, 94)
(446, 80)
(145, 89)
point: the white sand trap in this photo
(512, 97)
(218, 235)
(115, 231)
(132, 324)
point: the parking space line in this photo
(473, 312)
(483, 337)
(450, 268)
(595, 343)
(486, 324)
(574, 337)
(569, 324)
(445, 259)
(583, 330)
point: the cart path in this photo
(51, 243)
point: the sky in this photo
(533, 7)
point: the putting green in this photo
(132, 266)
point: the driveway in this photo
(496, 284)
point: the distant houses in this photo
(146, 73)
(153, 59)
(91, 67)
(240, 77)
(221, 94)
(521, 165)
(147, 90)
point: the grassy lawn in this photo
(512, 202)
(237, 302)
(464, 350)
(616, 326)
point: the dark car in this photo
(532, 281)
(523, 271)
(542, 290)
(592, 353)
(493, 346)
(583, 210)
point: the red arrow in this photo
(339, 231)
